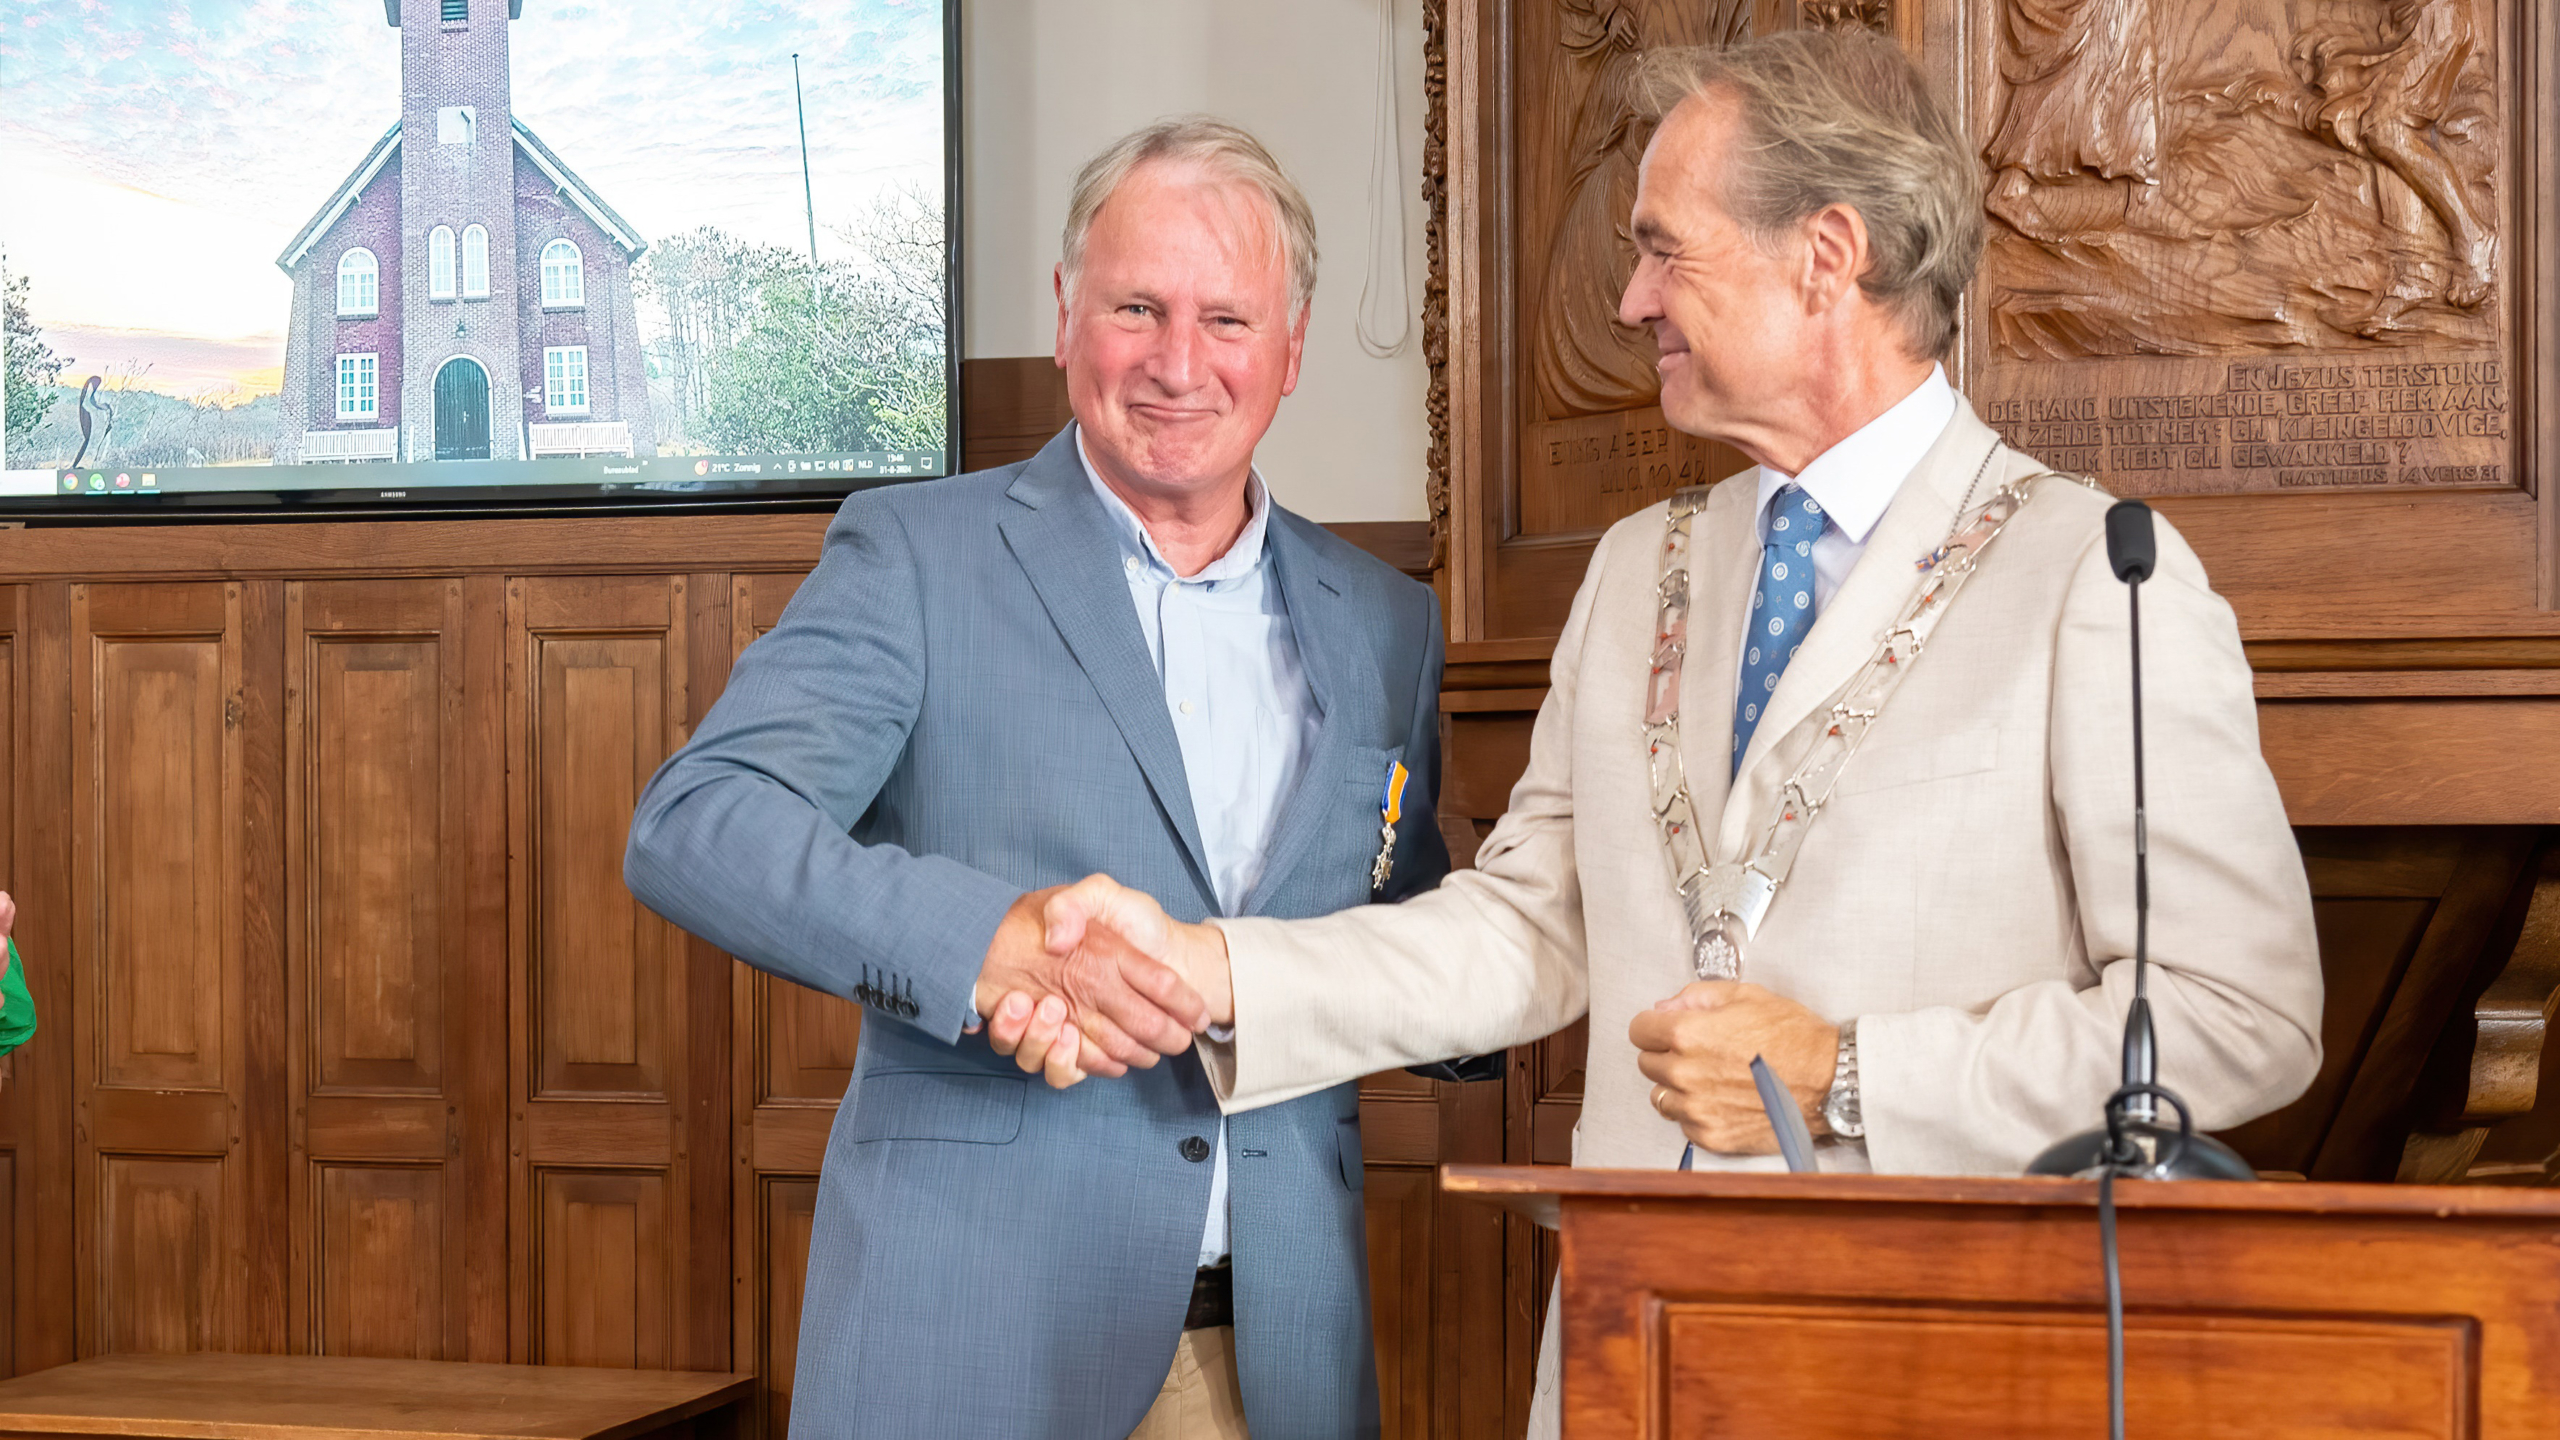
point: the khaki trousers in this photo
(1201, 1399)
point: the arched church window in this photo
(475, 263)
(564, 275)
(440, 263)
(359, 283)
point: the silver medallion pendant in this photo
(1718, 958)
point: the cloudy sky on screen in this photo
(159, 154)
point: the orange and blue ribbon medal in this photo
(1390, 810)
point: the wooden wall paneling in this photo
(1470, 1372)
(379, 823)
(266, 1102)
(601, 1052)
(480, 1017)
(1401, 1200)
(157, 759)
(706, 1115)
(788, 1216)
(46, 1300)
(1010, 406)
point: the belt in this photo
(1213, 1297)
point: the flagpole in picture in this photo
(808, 196)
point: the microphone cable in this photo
(2115, 1303)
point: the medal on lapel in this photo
(1390, 810)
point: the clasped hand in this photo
(1094, 978)
(1697, 1047)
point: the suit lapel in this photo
(1064, 543)
(1724, 564)
(1322, 622)
(1845, 633)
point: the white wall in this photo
(1047, 83)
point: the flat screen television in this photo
(301, 257)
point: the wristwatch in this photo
(1840, 1107)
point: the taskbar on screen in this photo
(394, 483)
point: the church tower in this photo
(460, 392)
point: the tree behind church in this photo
(31, 369)
(751, 357)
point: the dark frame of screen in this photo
(810, 493)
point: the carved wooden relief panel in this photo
(2250, 245)
(1593, 445)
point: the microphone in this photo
(2133, 1143)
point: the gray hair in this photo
(1228, 150)
(1845, 118)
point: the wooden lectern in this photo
(1812, 1306)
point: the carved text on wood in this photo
(2261, 237)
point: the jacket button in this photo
(1195, 1149)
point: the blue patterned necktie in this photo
(1781, 609)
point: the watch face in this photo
(1840, 1112)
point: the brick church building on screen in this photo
(463, 295)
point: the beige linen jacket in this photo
(1966, 900)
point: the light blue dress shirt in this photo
(1242, 712)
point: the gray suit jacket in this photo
(959, 706)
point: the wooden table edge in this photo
(733, 1387)
(1540, 1191)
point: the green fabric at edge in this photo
(17, 1007)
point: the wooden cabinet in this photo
(354, 1042)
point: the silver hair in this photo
(1227, 150)
(1845, 118)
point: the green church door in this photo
(462, 411)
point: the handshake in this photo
(1093, 978)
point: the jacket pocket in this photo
(1346, 1142)
(963, 1106)
(1966, 752)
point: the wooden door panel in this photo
(161, 1272)
(391, 1118)
(604, 1035)
(1400, 1201)
(382, 1264)
(604, 962)
(607, 1270)
(789, 1215)
(163, 869)
(809, 1039)
(157, 1023)
(377, 779)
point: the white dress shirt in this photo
(1242, 712)
(1856, 479)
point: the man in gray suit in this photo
(1119, 655)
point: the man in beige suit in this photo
(1942, 972)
